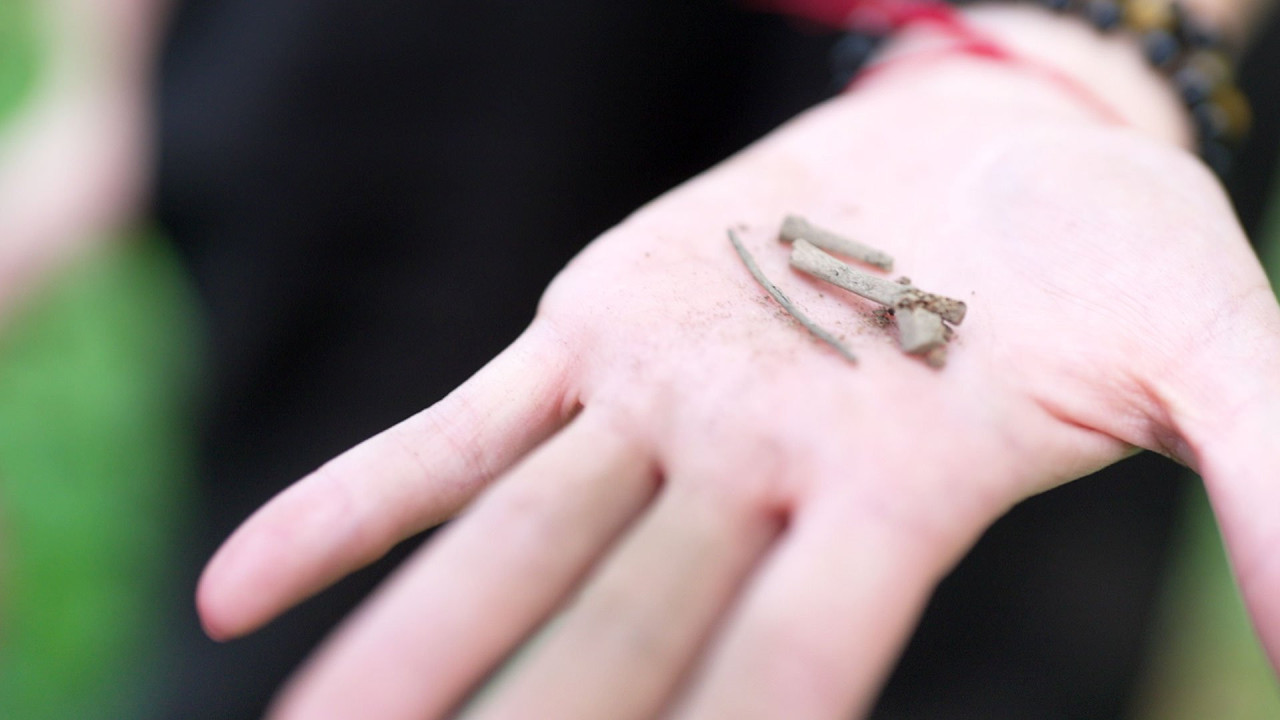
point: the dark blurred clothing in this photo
(372, 194)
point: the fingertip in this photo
(214, 627)
(215, 596)
(356, 507)
(249, 579)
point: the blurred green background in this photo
(96, 378)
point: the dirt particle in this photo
(882, 316)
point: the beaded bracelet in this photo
(1190, 55)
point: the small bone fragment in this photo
(950, 309)
(812, 260)
(785, 302)
(795, 228)
(920, 331)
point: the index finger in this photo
(404, 480)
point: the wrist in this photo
(1104, 75)
(1110, 66)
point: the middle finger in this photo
(622, 646)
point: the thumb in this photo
(1231, 436)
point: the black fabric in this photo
(371, 196)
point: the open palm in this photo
(711, 514)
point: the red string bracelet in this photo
(895, 15)
(1196, 60)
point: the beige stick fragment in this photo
(785, 301)
(795, 228)
(812, 260)
(921, 332)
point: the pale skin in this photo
(725, 519)
(73, 162)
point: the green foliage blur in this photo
(19, 54)
(94, 379)
(93, 454)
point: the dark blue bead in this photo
(1057, 5)
(1161, 48)
(1194, 86)
(1103, 14)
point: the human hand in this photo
(724, 517)
(74, 156)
